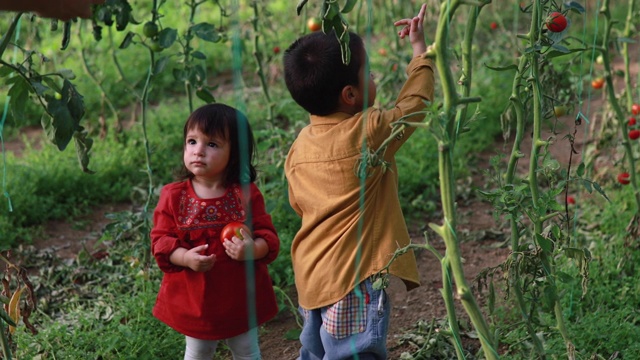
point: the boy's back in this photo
(351, 226)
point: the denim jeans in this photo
(353, 328)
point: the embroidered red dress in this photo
(220, 303)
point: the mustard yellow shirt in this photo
(351, 229)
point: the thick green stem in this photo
(447, 295)
(537, 143)
(453, 257)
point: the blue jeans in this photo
(353, 328)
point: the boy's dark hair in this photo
(315, 74)
(233, 126)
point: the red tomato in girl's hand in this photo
(623, 178)
(634, 134)
(635, 109)
(233, 229)
(556, 22)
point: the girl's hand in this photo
(414, 28)
(247, 249)
(194, 260)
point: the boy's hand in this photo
(414, 28)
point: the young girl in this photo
(214, 290)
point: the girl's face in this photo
(206, 157)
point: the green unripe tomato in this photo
(156, 47)
(58, 96)
(150, 29)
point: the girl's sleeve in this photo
(164, 238)
(262, 225)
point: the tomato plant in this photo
(635, 109)
(634, 134)
(597, 83)
(233, 229)
(624, 178)
(556, 22)
(314, 24)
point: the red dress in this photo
(223, 302)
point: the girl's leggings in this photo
(243, 347)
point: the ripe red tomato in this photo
(623, 178)
(233, 229)
(632, 122)
(635, 109)
(556, 22)
(597, 83)
(314, 24)
(276, 50)
(634, 134)
(494, 25)
(571, 200)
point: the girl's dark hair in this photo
(315, 74)
(233, 126)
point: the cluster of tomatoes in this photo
(634, 134)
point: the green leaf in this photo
(197, 75)
(19, 94)
(502, 68)
(127, 40)
(167, 37)
(199, 55)
(206, 32)
(83, 148)
(60, 126)
(545, 244)
(6, 317)
(160, 65)
(205, 96)
(626, 40)
(574, 6)
(601, 191)
(75, 104)
(66, 35)
(5, 70)
(348, 6)
(67, 74)
(559, 50)
(580, 170)
(587, 185)
(300, 5)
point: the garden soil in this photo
(482, 243)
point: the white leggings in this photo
(243, 347)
